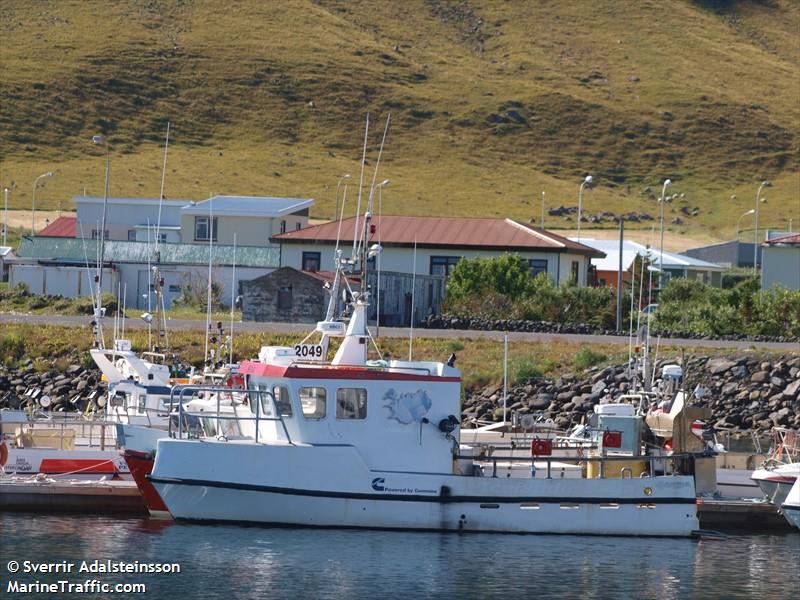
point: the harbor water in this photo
(235, 562)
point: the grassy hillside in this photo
(491, 102)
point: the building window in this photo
(174, 289)
(575, 270)
(131, 235)
(538, 265)
(298, 226)
(283, 226)
(96, 234)
(201, 229)
(312, 401)
(162, 238)
(443, 265)
(285, 297)
(311, 261)
(351, 403)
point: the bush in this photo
(586, 357)
(12, 347)
(525, 371)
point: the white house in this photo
(675, 265)
(780, 262)
(129, 219)
(440, 243)
(254, 219)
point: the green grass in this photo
(491, 102)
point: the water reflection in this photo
(253, 562)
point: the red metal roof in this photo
(61, 227)
(792, 239)
(504, 234)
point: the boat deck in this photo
(740, 515)
(89, 497)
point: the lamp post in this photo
(661, 258)
(764, 184)
(587, 181)
(33, 205)
(542, 222)
(738, 222)
(5, 219)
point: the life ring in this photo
(3, 453)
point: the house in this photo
(297, 296)
(675, 265)
(439, 243)
(6, 253)
(66, 267)
(727, 254)
(253, 219)
(129, 219)
(781, 262)
(62, 227)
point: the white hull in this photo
(791, 507)
(736, 483)
(776, 482)
(230, 482)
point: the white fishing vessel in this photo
(353, 442)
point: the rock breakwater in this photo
(744, 392)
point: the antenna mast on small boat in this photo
(208, 290)
(413, 290)
(233, 297)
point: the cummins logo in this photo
(377, 484)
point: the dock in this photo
(86, 497)
(742, 515)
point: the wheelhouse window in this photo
(443, 265)
(538, 265)
(351, 403)
(283, 400)
(311, 261)
(312, 402)
(201, 229)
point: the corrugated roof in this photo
(792, 239)
(503, 234)
(248, 206)
(630, 249)
(61, 227)
(75, 250)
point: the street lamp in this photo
(542, 223)
(661, 259)
(752, 211)
(33, 206)
(764, 184)
(587, 181)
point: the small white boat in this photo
(776, 481)
(377, 444)
(791, 506)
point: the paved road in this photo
(248, 326)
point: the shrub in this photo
(12, 347)
(585, 357)
(454, 346)
(525, 371)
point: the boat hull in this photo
(85, 465)
(776, 482)
(219, 481)
(141, 465)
